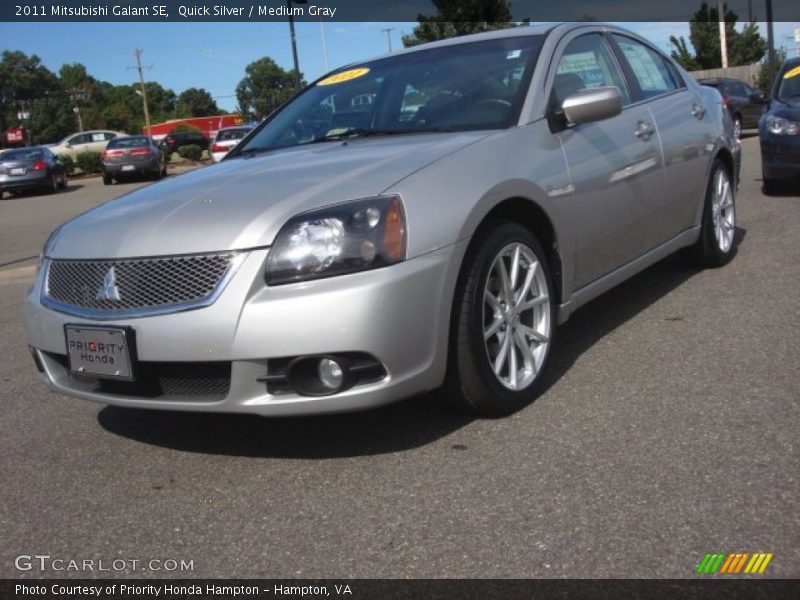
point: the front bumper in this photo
(398, 315)
(780, 156)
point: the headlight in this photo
(781, 126)
(344, 238)
(47, 247)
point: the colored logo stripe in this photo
(734, 563)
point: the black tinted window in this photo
(129, 142)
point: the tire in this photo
(107, 179)
(737, 127)
(54, 186)
(62, 184)
(717, 243)
(156, 174)
(772, 187)
(480, 326)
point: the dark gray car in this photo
(31, 168)
(419, 220)
(133, 156)
(744, 103)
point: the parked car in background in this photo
(33, 167)
(91, 141)
(133, 156)
(227, 138)
(779, 129)
(745, 104)
(172, 141)
(345, 257)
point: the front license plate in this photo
(100, 351)
(17, 171)
(128, 167)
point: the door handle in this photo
(643, 130)
(698, 111)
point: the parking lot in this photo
(668, 428)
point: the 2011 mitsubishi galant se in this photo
(418, 220)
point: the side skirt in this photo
(599, 286)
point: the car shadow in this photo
(402, 426)
(71, 187)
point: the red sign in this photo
(15, 135)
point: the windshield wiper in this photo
(362, 132)
(250, 152)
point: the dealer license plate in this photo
(128, 167)
(100, 351)
(17, 171)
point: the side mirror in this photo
(758, 97)
(592, 104)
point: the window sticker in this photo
(344, 76)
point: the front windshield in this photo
(790, 84)
(473, 86)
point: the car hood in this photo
(242, 203)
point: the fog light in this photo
(330, 373)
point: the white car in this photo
(86, 141)
(226, 139)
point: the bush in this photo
(68, 163)
(89, 162)
(190, 152)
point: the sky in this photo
(214, 55)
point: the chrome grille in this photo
(115, 288)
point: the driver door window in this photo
(587, 62)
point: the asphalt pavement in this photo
(668, 428)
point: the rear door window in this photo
(650, 70)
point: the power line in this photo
(388, 31)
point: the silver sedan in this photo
(420, 220)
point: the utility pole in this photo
(138, 54)
(388, 31)
(770, 40)
(294, 42)
(723, 42)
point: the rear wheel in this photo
(503, 321)
(53, 186)
(717, 243)
(62, 183)
(107, 179)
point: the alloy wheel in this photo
(723, 211)
(516, 316)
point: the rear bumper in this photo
(26, 182)
(149, 166)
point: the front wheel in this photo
(503, 321)
(717, 243)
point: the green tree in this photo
(460, 17)
(264, 87)
(196, 102)
(30, 86)
(745, 47)
(766, 76)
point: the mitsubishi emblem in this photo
(109, 289)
